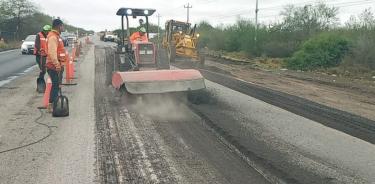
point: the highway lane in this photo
(12, 63)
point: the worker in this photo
(40, 50)
(55, 58)
(139, 36)
(141, 23)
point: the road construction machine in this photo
(138, 69)
(182, 41)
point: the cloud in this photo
(100, 14)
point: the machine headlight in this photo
(198, 35)
(146, 12)
(129, 11)
(180, 32)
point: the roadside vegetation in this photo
(19, 18)
(308, 38)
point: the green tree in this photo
(309, 19)
(364, 20)
(16, 11)
(322, 51)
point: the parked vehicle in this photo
(64, 37)
(72, 38)
(110, 38)
(27, 46)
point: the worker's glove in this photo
(42, 53)
(58, 67)
(61, 59)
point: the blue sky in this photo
(100, 14)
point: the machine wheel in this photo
(119, 66)
(171, 52)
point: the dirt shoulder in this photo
(354, 96)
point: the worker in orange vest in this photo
(55, 58)
(139, 36)
(40, 50)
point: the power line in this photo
(337, 4)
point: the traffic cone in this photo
(47, 93)
(67, 69)
(71, 67)
(74, 50)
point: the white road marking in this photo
(9, 79)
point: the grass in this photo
(357, 72)
(243, 57)
(10, 45)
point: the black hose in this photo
(38, 141)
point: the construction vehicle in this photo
(137, 69)
(182, 41)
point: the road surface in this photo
(13, 63)
(232, 138)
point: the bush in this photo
(278, 49)
(362, 53)
(322, 51)
(3, 45)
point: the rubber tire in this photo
(122, 67)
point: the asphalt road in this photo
(277, 144)
(233, 138)
(13, 63)
(160, 141)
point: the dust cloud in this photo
(161, 107)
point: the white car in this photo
(27, 46)
(110, 38)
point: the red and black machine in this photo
(139, 71)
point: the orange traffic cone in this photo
(74, 50)
(67, 69)
(71, 69)
(47, 93)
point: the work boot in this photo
(49, 108)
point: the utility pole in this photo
(256, 21)
(158, 29)
(188, 7)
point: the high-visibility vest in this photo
(136, 36)
(60, 47)
(43, 45)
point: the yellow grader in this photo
(182, 41)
